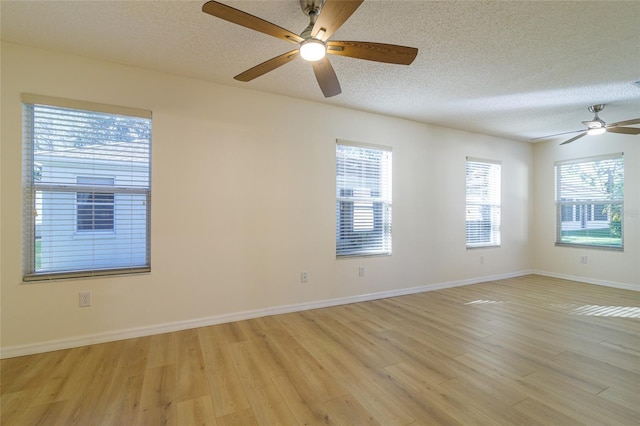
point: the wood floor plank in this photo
(376, 402)
(225, 387)
(239, 418)
(630, 400)
(483, 398)
(311, 379)
(197, 411)
(163, 350)
(26, 372)
(51, 388)
(192, 382)
(603, 372)
(345, 410)
(589, 407)
(125, 389)
(44, 415)
(250, 369)
(157, 402)
(543, 414)
(87, 390)
(527, 350)
(307, 412)
(269, 407)
(451, 404)
(14, 405)
(348, 369)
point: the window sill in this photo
(590, 246)
(352, 255)
(102, 273)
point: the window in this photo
(94, 209)
(589, 202)
(483, 197)
(86, 190)
(363, 200)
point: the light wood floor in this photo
(523, 351)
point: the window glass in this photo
(363, 200)
(589, 202)
(483, 197)
(86, 191)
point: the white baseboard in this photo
(110, 336)
(605, 283)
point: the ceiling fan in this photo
(325, 17)
(597, 126)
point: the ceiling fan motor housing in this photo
(311, 6)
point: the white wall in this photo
(607, 267)
(243, 188)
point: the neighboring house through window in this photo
(95, 207)
(87, 193)
(589, 202)
(483, 198)
(363, 199)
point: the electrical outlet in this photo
(361, 271)
(482, 260)
(85, 299)
(304, 277)
(583, 259)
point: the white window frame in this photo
(483, 196)
(57, 188)
(577, 200)
(363, 199)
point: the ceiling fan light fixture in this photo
(596, 131)
(312, 50)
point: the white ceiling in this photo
(517, 69)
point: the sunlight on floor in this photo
(584, 310)
(601, 311)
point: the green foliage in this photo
(593, 237)
(615, 224)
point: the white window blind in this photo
(589, 202)
(483, 198)
(86, 189)
(363, 200)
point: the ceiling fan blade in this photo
(379, 52)
(625, 123)
(557, 134)
(326, 77)
(625, 130)
(244, 19)
(267, 66)
(333, 14)
(574, 138)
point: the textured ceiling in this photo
(517, 69)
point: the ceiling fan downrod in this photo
(597, 125)
(312, 9)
